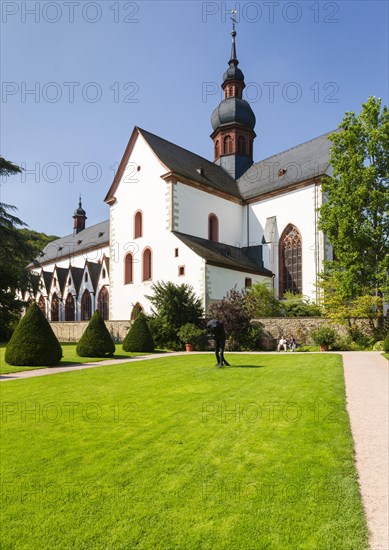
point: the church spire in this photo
(233, 120)
(79, 218)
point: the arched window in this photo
(241, 145)
(138, 229)
(227, 145)
(86, 306)
(217, 149)
(147, 259)
(290, 261)
(54, 307)
(230, 91)
(135, 311)
(213, 228)
(69, 308)
(42, 305)
(128, 269)
(103, 303)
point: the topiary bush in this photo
(139, 337)
(96, 340)
(386, 343)
(33, 342)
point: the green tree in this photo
(355, 214)
(96, 340)
(232, 313)
(33, 342)
(260, 301)
(173, 306)
(36, 241)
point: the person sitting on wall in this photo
(215, 330)
(282, 344)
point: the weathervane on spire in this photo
(233, 19)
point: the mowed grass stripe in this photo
(174, 453)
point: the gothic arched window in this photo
(69, 308)
(290, 261)
(213, 228)
(42, 305)
(103, 303)
(54, 307)
(86, 306)
(128, 269)
(138, 229)
(147, 260)
(227, 143)
(241, 145)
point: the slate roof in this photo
(187, 164)
(77, 273)
(301, 163)
(91, 237)
(94, 271)
(222, 255)
(47, 275)
(62, 273)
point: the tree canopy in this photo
(355, 214)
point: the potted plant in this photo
(325, 336)
(188, 334)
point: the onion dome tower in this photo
(233, 121)
(79, 218)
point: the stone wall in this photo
(72, 331)
(298, 327)
(272, 327)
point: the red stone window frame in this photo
(70, 308)
(128, 269)
(103, 303)
(213, 228)
(217, 149)
(290, 261)
(248, 282)
(86, 306)
(181, 270)
(241, 145)
(138, 224)
(147, 261)
(227, 145)
(135, 311)
(54, 308)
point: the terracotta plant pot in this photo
(323, 347)
(189, 347)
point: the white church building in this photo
(175, 216)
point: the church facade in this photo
(175, 216)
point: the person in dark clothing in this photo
(215, 330)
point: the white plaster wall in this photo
(79, 259)
(221, 281)
(145, 191)
(194, 208)
(297, 208)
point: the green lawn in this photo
(174, 453)
(70, 357)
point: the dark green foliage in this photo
(96, 340)
(139, 338)
(325, 335)
(296, 305)
(386, 343)
(37, 241)
(33, 342)
(174, 305)
(231, 312)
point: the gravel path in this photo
(366, 376)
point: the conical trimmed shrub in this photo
(33, 342)
(139, 337)
(96, 340)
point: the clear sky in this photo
(77, 76)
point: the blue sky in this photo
(100, 68)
